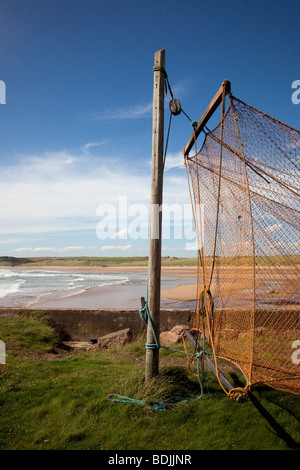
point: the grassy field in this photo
(83, 261)
(55, 399)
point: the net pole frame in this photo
(208, 113)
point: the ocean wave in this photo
(11, 288)
(20, 284)
(6, 273)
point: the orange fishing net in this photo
(245, 187)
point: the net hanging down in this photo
(245, 186)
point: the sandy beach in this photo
(181, 293)
(272, 283)
(181, 271)
(127, 296)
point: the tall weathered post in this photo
(154, 266)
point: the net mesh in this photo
(245, 186)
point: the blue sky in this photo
(76, 129)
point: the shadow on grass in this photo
(274, 397)
(277, 428)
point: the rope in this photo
(159, 405)
(167, 140)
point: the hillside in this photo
(10, 261)
(84, 261)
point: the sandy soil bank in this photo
(180, 271)
(181, 293)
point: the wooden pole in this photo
(154, 265)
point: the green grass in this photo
(83, 261)
(55, 399)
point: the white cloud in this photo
(121, 233)
(134, 112)
(191, 247)
(59, 191)
(51, 249)
(86, 148)
(116, 248)
(174, 161)
(12, 240)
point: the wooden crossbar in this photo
(214, 104)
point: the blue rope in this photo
(145, 316)
(122, 399)
(160, 405)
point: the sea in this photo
(71, 289)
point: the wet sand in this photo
(181, 293)
(180, 271)
(98, 298)
(273, 282)
(122, 296)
